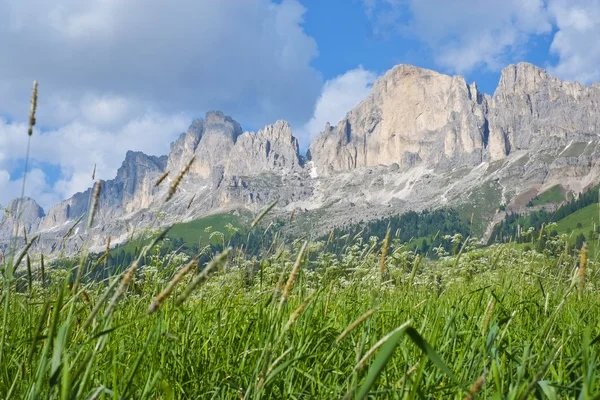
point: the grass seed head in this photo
(32, 110)
(477, 386)
(162, 296)
(263, 213)
(583, 261)
(125, 281)
(161, 179)
(296, 314)
(279, 285)
(488, 316)
(191, 202)
(216, 262)
(179, 178)
(94, 205)
(330, 238)
(354, 324)
(384, 252)
(293, 275)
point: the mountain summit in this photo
(415, 116)
(420, 140)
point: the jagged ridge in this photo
(418, 132)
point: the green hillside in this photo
(422, 231)
(575, 218)
(580, 220)
(202, 231)
(554, 195)
(581, 226)
(192, 235)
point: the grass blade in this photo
(388, 346)
(421, 343)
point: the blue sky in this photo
(346, 39)
(131, 75)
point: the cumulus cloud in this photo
(339, 96)
(130, 75)
(576, 40)
(465, 34)
(249, 58)
(75, 147)
(36, 187)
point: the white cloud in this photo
(78, 145)
(339, 96)
(248, 58)
(576, 40)
(108, 110)
(36, 187)
(465, 34)
(130, 75)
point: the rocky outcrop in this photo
(22, 214)
(230, 168)
(131, 190)
(219, 137)
(134, 186)
(184, 148)
(222, 150)
(531, 109)
(210, 141)
(416, 116)
(412, 115)
(273, 149)
(67, 210)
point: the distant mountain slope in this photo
(579, 218)
(420, 140)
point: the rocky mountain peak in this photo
(28, 207)
(193, 134)
(133, 184)
(272, 149)
(280, 131)
(136, 163)
(532, 109)
(219, 124)
(522, 78)
(26, 211)
(412, 116)
(185, 146)
(219, 118)
(219, 134)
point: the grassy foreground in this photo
(376, 321)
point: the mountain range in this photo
(420, 140)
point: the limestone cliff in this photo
(217, 139)
(131, 190)
(25, 214)
(531, 108)
(412, 116)
(416, 116)
(272, 149)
